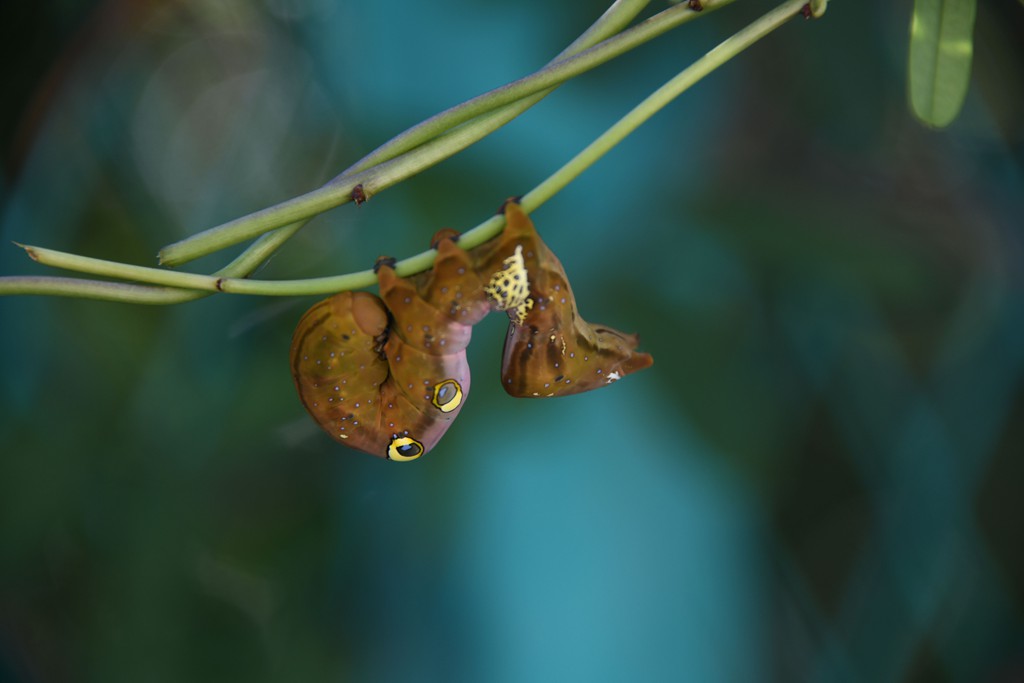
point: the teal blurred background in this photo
(820, 479)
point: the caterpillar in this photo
(388, 375)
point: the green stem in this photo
(553, 184)
(122, 271)
(614, 20)
(655, 102)
(87, 289)
(449, 133)
(174, 293)
(616, 17)
(226, 278)
(575, 60)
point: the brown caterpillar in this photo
(388, 375)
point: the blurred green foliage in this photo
(941, 45)
(819, 479)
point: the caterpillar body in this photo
(388, 375)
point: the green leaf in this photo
(940, 58)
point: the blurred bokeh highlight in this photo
(820, 479)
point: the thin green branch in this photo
(657, 100)
(614, 20)
(474, 119)
(121, 271)
(553, 184)
(85, 289)
(580, 57)
(227, 278)
(617, 16)
(244, 264)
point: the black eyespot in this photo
(410, 449)
(403, 448)
(447, 395)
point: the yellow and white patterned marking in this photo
(509, 288)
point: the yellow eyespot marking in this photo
(447, 395)
(404, 448)
(510, 287)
